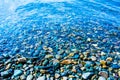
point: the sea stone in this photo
(68, 61)
(104, 74)
(64, 78)
(6, 73)
(22, 60)
(8, 66)
(17, 73)
(119, 73)
(93, 58)
(115, 66)
(29, 77)
(41, 78)
(57, 75)
(22, 77)
(103, 63)
(87, 75)
(101, 78)
(109, 59)
(49, 56)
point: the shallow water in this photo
(59, 39)
(26, 23)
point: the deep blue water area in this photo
(27, 26)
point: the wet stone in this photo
(104, 74)
(17, 73)
(22, 77)
(22, 60)
(115, 66)
(87, 75)
(29, 77)
(41, 78)
(7, 73)
(101, 78)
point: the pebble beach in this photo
(58, 50)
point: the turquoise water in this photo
(23, 24)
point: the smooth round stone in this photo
(57, 75)
(22, 60)
(29, 77)
(87, 75)
(17, 73)
(115, 66)
(8, 66)
(93, 58)
(58, 57)
(22, 77)
(119, 73)
(49, 56)
(6, 73)
(88, 64)
(41, 78)
(64, 78)
(101, 78)
(104, 74)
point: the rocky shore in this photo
(72, 55)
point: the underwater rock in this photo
(22, 77)
(68, 61)
(101, 78)
(21, 60)
(8, 66)
(17, 73)
(104, 74)
(115, 66)
(103, 63)
(7, 73)
(29, 77)
(93, 58)
(57, 75)
(49, 56)
(87, 75)
(109, 59)
(41, 78)
(65, 78)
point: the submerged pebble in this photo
(17, 73)
(87, 75)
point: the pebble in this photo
(87, 75)
(6, 73)
(49, 56)
(29, 77)
(64, 78)
(119, 73)
(104, 74)
(57, 75)
(22, 60)
(115, 66)
(17, 73)
(58, 56)
(101, 78)
(95, 45)
(93, 58)
(88, 64)
(41, 78)
(109, 59)
(50, 49)
(8, 66)
(22, 77)
(68, 61)
(89, 39)
(103, 53)
(103, 63)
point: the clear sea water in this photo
(24, 23)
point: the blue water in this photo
(23, 24)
